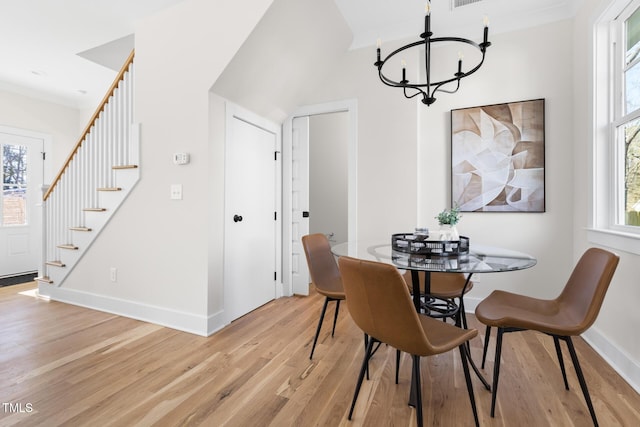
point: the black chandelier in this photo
(428, 89)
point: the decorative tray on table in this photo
(419, 244)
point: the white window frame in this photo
(605, 228)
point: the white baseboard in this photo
(182, 321)
(215, 322)
(619, 360)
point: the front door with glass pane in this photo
(20, 213)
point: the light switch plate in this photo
(176, 191)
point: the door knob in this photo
(237, 218)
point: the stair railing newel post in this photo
(43, 249)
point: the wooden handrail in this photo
(101, 106)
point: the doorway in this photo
(328, 167)
(20, 198)
(296, 210)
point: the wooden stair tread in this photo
(72, 247)
(94, 209)
(110, 189)
(44, 279)
(80, 228)
(124, 167)
(55, 263)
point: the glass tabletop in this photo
(479, 259)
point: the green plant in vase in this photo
(449, 216)
(448, 219)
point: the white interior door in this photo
(20, 214)
(299, 203)
(250, 243)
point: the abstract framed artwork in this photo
(497, 157)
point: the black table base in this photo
(435, 306)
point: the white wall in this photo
(404, 150)
(290, 51)
(161, 246)
(217, 126)
(63, 124)
(387, 144)
(522, 65)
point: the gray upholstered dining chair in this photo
(324, 275)
(380, 304)
(570, 314)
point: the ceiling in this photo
(63, 51)
(399, 19)
(68, 51)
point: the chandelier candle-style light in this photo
(429, 88)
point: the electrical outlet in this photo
(113, 274)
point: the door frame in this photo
(349, 106)
(46, 174)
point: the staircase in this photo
(95, 180)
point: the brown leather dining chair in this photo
(380, 304)
(570, 314)
(446, 287)
(325, 276)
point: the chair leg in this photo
(487, 334)
(556, 342)
(335, 317)
(583, 384)
(366, 345)
(315, 339)
(397, 364)
(418, 389)
(467, 377)
(363, 368)
(496, 371)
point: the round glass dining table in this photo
(478, 259)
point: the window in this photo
(615, 208)
(14, 185)
(626, 122)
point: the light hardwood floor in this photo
(66, 365)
